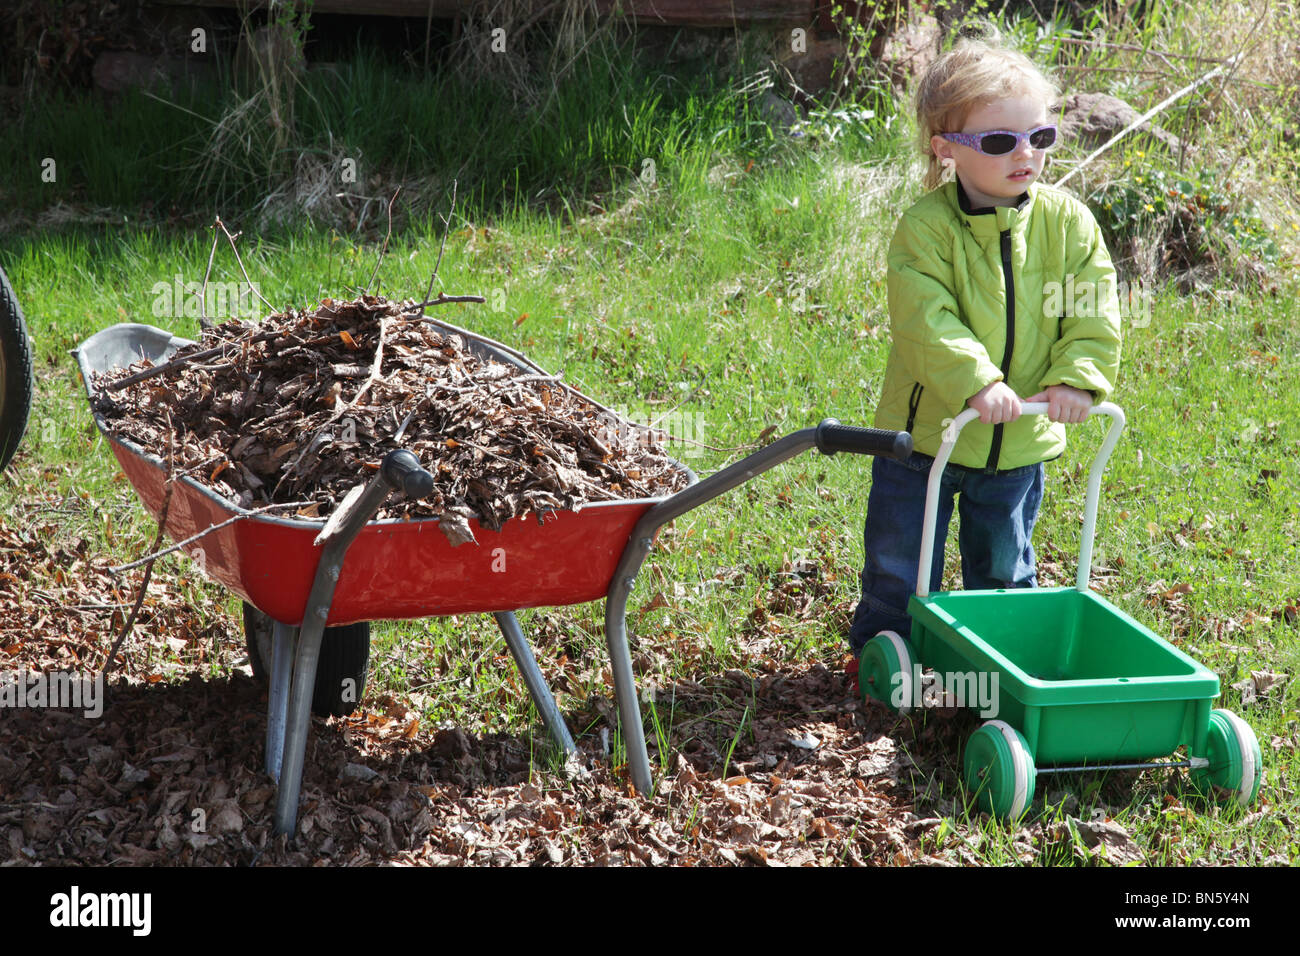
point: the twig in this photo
(401, 429)
(207, 531)
(531, 378)
(446, 227)
(187, 359)
(168, 486)
(428, 32)
(1113, 69)
(673, 439)
(241, 265)
(1104, 45)
(339, 410)
(442, 299)
(384, 249)
(204, 321)
(374, 370)
(1231, 61)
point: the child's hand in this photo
(1065, 403)
(997, 403)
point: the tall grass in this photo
(609, 118)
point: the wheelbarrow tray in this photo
(395, 569)
(1082, 680)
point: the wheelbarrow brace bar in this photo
(829, 437)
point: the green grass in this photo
(205, 147)
(741, 287)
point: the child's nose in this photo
(1023, 150)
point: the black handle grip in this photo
(403, 472)
(833, 437)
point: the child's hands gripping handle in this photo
(1090, 506)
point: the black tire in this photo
(15, 373)
(344, 656)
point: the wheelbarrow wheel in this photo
(15, 373)
(340, 670)
(1236, 764)
(999, 770)
(885, 672)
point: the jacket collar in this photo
(989, 221)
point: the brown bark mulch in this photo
(304, 405)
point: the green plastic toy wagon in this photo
(1068, 681)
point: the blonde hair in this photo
(977, 70)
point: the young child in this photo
(972, 268)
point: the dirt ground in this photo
(171, 772)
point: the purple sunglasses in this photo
(999, 142)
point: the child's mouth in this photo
(1020, 175)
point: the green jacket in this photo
(954, 331)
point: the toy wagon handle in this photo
(1090, 507)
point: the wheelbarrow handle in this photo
(833, 437)
(403, 472)
(950, 434)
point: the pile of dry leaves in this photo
(304, 406)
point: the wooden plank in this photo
(685, 13)
(440, 9)
(715, 13)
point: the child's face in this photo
(997, 180)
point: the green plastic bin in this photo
(1083, 681)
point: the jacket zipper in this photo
(913, 403)
(991, 466)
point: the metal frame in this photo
(289, 703)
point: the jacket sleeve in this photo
(1087, 353)
(935, 346)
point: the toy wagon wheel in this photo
(885, 672)
(15, 373)
(999, 770)
(1236, 763)
(344, 656)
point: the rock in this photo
(269, 56)
(908, 52)
(1094, 118)
(358, 771)
(116, 70)
(779, 115)
(818, 65)
(226, 817)
(1111, 841)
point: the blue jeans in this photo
(997, 521)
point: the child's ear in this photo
(941, 148)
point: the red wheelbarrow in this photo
(310, 587)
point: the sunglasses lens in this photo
(1043, 138)
(995, 144)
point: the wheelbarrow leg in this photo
(299, 723)
(533, 679)
(399, 470)
(829, 437)
(620, 658)
(282, 642)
